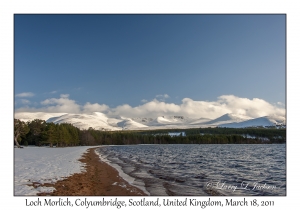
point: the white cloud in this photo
(144, 100)
(162, 96)
(150, 109)
(62, 104)
(25, 101)
(64, 95)
(280, 104)
(25, 94)
(88, 107)
(209, 109)
(253, 108)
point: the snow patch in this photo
(44, 165)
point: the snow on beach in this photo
(44, 165)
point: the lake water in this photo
(203, 170)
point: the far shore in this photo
(99, 179)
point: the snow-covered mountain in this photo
(261, 121)
(129, 124)
(227, 118)
(96, 120)
(29, 116)
(101, 121)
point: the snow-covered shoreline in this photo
(132, 181)
(44, 165)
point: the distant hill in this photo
(261, 121)
(227, 118)
(100, 121)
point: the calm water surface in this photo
(195, 170)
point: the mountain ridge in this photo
(101, 121)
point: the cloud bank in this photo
(208, 109)
(25, 94)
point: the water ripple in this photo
(236, 170)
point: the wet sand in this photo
(99, 179)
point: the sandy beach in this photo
(99, 179)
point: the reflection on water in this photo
(203, 169)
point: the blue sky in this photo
(115, 60)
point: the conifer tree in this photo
(20, 130)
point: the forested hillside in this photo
(38, 132)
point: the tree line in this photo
(39, 132)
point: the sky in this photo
(9, 49)
(149, 65)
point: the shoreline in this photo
(98, 179)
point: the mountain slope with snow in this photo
(129, 124)
(261, 121)
(227, 118)
(97, 120)
(100, 121)
(166, 120)
(29, 116)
